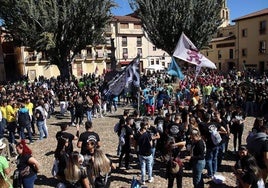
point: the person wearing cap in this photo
(4, 165)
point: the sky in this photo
(237, 8)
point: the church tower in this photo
(225, 14)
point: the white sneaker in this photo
(151, 180)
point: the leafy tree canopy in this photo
(165, 20)
(56, 26)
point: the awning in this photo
(124, 62)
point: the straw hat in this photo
(2, 144)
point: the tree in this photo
(56, 26)
(165, 20)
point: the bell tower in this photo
(225, 14)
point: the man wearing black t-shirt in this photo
(127, 134)
(89, 134)
(64, 134)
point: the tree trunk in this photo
(64, 69)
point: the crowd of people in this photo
(185, 123)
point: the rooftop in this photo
(252, 15)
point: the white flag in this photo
(186, 51)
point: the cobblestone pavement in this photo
(43, 152)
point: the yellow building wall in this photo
(251, 42)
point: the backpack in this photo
(116, 127)
(215, 135)
(23, 118)
(122, 137)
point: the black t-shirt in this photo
(128, 132)
(84, 137)
(144, 144)
(70, 137)
(152, 131)
(207, 134)
(22, 163)
(259, 156)
(199, 150)
(176, 131)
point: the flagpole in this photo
(139, 95)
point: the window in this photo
(139, 51)
(163, 63)
(219, 54)
(262, 27)
(152, 62)
(124, 25)
(231, 53)
(244, 32)
(157, 61)
(124, 41)
(262, 47)
(137, 26)
(154, 48)
(244, 52)
(139, 41)
(125, 53)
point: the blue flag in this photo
(175, 70)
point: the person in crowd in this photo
(88, 107)
(79, 111)
(40, 120)
(3, 105)
(237, 127)
(257, 145)
(24, 121)
(212, 149)
(258, 123)
(101, 167)
(250, 175)
(126, 137)
(197, 158)
(144, 145)
(155, 136)
(11, 121)
(4, 168)
(71, 109)
(87, 135)
(64, 134)
(97, 103)
(30, 106)
(75, 174)
(176, 141)
(122, 122)
(27, 165)
(61, 155)
(2, 129)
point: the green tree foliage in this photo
(165, 20)
(56, 26)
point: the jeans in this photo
(153, 154)
(125, 151)
(28, 128)
(11, 127)
(221, 152)
(42, 129)
(212, 160)
(146, 161)
(178, 177)
(29, 182)
(89, 115)
(198, 166)
(2, 130)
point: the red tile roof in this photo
(252, 15)
(126, 19)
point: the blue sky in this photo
(237, 8)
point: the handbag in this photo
(17, 179)
(55, 168)
(25, 171)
